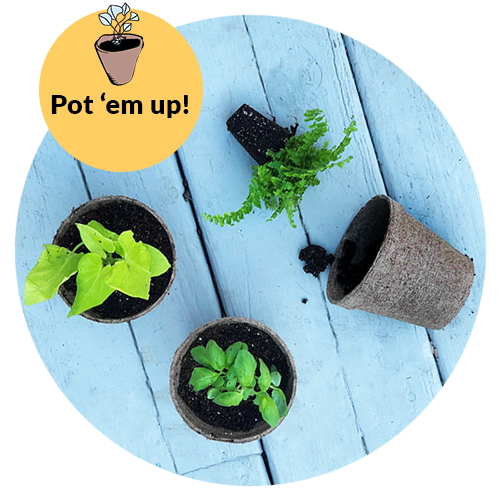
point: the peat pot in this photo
(119, 60)
(256, 133)
(390, 264)
(236, 424)
(118, 214)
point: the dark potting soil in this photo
(246, 415)
(118, 217)
(351, 267)
(257, 134)
(317, 259)
(126, 44)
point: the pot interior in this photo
(360, 245)
(233, 424)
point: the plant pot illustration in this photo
(390, 264)
(119, 214)
(119, 60)
(239, 423)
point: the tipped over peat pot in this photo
(390, 264)
(257, 134)
(235, 424)
(118, 214)
(119, 60)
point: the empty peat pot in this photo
(235, 424)
(119, 61)
(118, 214)
(390, 264)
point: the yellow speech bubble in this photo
(94, 113)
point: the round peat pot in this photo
(118, 214)
(235, 424)
(390, 264)
(119, 60)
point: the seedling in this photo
(230, 377)
(119, 18)
(113, 262)
(281, 182)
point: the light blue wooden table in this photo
(361, 378)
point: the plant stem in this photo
(78, 246)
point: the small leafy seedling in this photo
(119, 18)
(230, 377)
(281, 182)
(113, 262)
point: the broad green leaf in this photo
(278, 396)
(228, 399)
(201, 378)
(244, 366)
(257, 399)
(219, 382)
(54, 267)
(231, 384)
(212, 392)
(106, 232)
(200, 355)
(269, 410)
(265, 376)
(247, 393)
(231, 374)
(216, 355)
(275, 378)
(95, 241)
(91, 289)
(159, 263)
(231, 353)
(131, 275)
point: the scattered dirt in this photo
(317, 259)
(119, 217)
(244, 416)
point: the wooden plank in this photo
(255, 262)
(243, 471)
(386, 366)
(191, 303)
(426, 170)
(96, 366)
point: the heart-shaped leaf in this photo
(95, 241)
(91, 289)
(127, 27)
(216, 355)
(159, 263)
(131, 275)
(125, 9)
(105, 19)
(134, 16)
(54, 267)
(278, 396)
(114, 10)
(232, 352)
(265, 376)
(200, 355)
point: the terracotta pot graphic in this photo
(119, 61)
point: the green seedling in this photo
(230, 377)
(281, 182)
(113, 262)
(119, 18)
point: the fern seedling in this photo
(280, 183)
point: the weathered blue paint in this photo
(361, 378)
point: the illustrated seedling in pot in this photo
(288, 164)
(119, 51)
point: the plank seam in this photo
(353, 73)
(82, 173)
(266, 463)
(188, 198)
(441, 378)
(151, 392)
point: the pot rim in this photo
(105, 38)
(83, 208)
(192, 420)
(334, 299)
